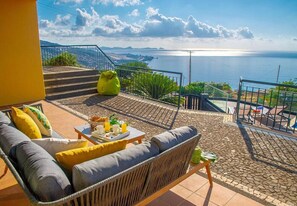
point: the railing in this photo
(217, 97)
(87, 56)
(267, 104)
(158, 85)
(192, 102)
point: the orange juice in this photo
(107, 126)
(124, 127)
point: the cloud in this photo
(68, 1)
(117, 3)
(83, 18)
(155, 24)
(158, 25)
(151, 12)
(63, 20)
(135, 12)
(44, 23)
(59, 21)
(294, 39)
(113, 26)
(245, 33)
(195, 28)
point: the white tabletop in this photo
(86, 130)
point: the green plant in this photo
(156, 86)
(126, 71)
(63, 59)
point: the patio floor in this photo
(253, 161)
(193, 191)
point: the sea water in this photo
(224, 65)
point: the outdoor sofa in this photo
(135, 175)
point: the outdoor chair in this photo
(270, 117)
(291, 124)
(137, 178)
(276, 114)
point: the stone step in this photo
(68, 94)
(70, 80)
(70, 87)
(57, 75)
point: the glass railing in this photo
(217, 97)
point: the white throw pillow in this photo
(55, 145)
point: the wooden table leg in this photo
(78, 136)
(207, 167)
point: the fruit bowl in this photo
(94, 121)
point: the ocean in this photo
(222, 65)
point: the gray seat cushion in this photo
(45, 178)
(10, 137)
(96, 170)
(173, 137)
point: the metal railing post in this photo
(179, 93)
(238, 98)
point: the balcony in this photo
(256, 166)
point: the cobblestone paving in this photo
(258, 162)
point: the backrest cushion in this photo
(43, 174)
(173, 137)
(10, 137)
(40, 119)
(4, 119)
(54, 135)
(25, 123)
(70, 158)
(96, 170)
(55, 145)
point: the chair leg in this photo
(207, 167)
(5, 171)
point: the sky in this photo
(259, 25)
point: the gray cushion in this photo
(45, 178)
(93, 171)
(173, 137)
(10, 137)
(4, 119)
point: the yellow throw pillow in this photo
(40, 119)
(25, 123)
(70, 158)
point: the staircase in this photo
(60, 85)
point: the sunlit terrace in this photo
(256, 158)
(256, 165)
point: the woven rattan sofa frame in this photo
(139, 184)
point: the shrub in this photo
(63, 59)
(155, 86)
(126, 71)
